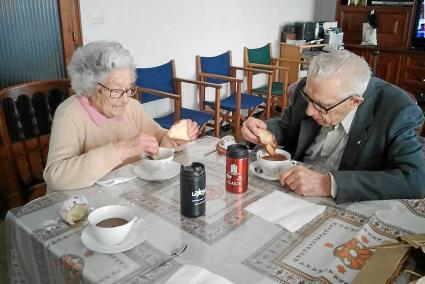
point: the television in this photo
(418, 36)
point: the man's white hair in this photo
(353, 71)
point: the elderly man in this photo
(354, 132)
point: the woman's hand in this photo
(192, 133)
(192, 129)
(141, 143)
(250, 129)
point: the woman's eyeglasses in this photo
(319, 107)
(118, 93)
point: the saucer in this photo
(168, 172)
(264, 175)
(136, 236)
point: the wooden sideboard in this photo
(392, 59)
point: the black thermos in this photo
(193, 191)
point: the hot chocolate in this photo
(112, 222)
(276, 157)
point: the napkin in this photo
(118, 176)
(284, 210)
(191, 274)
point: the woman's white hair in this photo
(92, 63)
(353, 70)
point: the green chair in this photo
(261, 58)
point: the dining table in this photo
(227, 240)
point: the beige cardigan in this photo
(81, 152)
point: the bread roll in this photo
(74, 209)
(268, 141)
(179, 131)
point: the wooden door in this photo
(71, 27)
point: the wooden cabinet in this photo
(392, 60)
(413, 74)
(393, 24)
(386, 64)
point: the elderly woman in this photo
(101, 127)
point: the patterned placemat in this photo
(55, 252)
(224, 211)
(332, 248)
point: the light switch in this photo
(98, 19)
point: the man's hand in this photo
(250, 129)
(306, 182)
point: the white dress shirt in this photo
(325, 153)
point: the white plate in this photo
(137, 235)
(256, 165)
(168, 172)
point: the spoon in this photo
(175, 253)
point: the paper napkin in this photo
(191, 274)
(284, 210)
(118, 176)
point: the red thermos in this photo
(237, 168)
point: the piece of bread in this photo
(178, 131)
(268, 141)
(74, 209)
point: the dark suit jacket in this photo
(382, 159)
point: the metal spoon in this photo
(175, 253)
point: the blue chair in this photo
(219, 70)
(160, 82)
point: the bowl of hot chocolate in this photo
(111, 224)
(279, 161)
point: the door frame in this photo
(72, 38)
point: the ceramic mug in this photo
(112, 235)
(272, 167)
(159, 161)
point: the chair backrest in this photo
(219, 65)
(261, 55)
(159, 78)
(26, 112)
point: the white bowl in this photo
(112, 235)
(161, 160)
(274, 167)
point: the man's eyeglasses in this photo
(118, 93)
(319, 107)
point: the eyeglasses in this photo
(118, 93)
(319, 107)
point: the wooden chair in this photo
(261, 58)
(26, 112)
(219, 70)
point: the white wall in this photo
(324, 10)
(156, 31)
